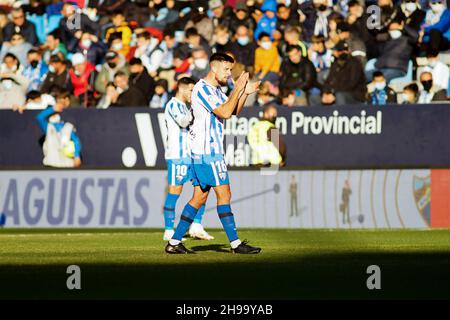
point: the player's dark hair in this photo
(221, 57)
(185, 81)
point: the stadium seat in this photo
(370, 65)
(397, 84)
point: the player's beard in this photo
(222, 82)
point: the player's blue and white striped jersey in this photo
(178, 117)
(206, 132)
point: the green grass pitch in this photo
(300, 263)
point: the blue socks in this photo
(227, 219)
(187, 217)
(169, 210)
(199, 216)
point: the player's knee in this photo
(224, 197)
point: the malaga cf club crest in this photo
(422, 196)
(222, 175)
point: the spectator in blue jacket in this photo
(62, 147)
(435, 34)
(268, 22)
(35, 70)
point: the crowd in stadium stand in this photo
(117, 53)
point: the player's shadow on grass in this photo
(211, 247)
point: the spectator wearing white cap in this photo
(82, 76)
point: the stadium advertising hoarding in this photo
(288, 199)
(349, 137)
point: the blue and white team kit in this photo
(195, 152)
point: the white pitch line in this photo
(69, 234)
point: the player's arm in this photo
(250, 88)
(182, 116)
(225, 110)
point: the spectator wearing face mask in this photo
(89, 45)
(200, 66)
(435, 33)
(389, 13)
(114, 63)
(267, 60)
(82, 76)
(413, 13)
(161, 95)
(36, 70)
(140, 79)
(244, 48)
(438, 69)
(18, 47)
(397, 51)
(379, 92)
(62, 146)
(268, 23)
(120, 27)
(410, 94)
(316, 21)
(346, 77)
(58, 76)
(129, 96)
(429, 92)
